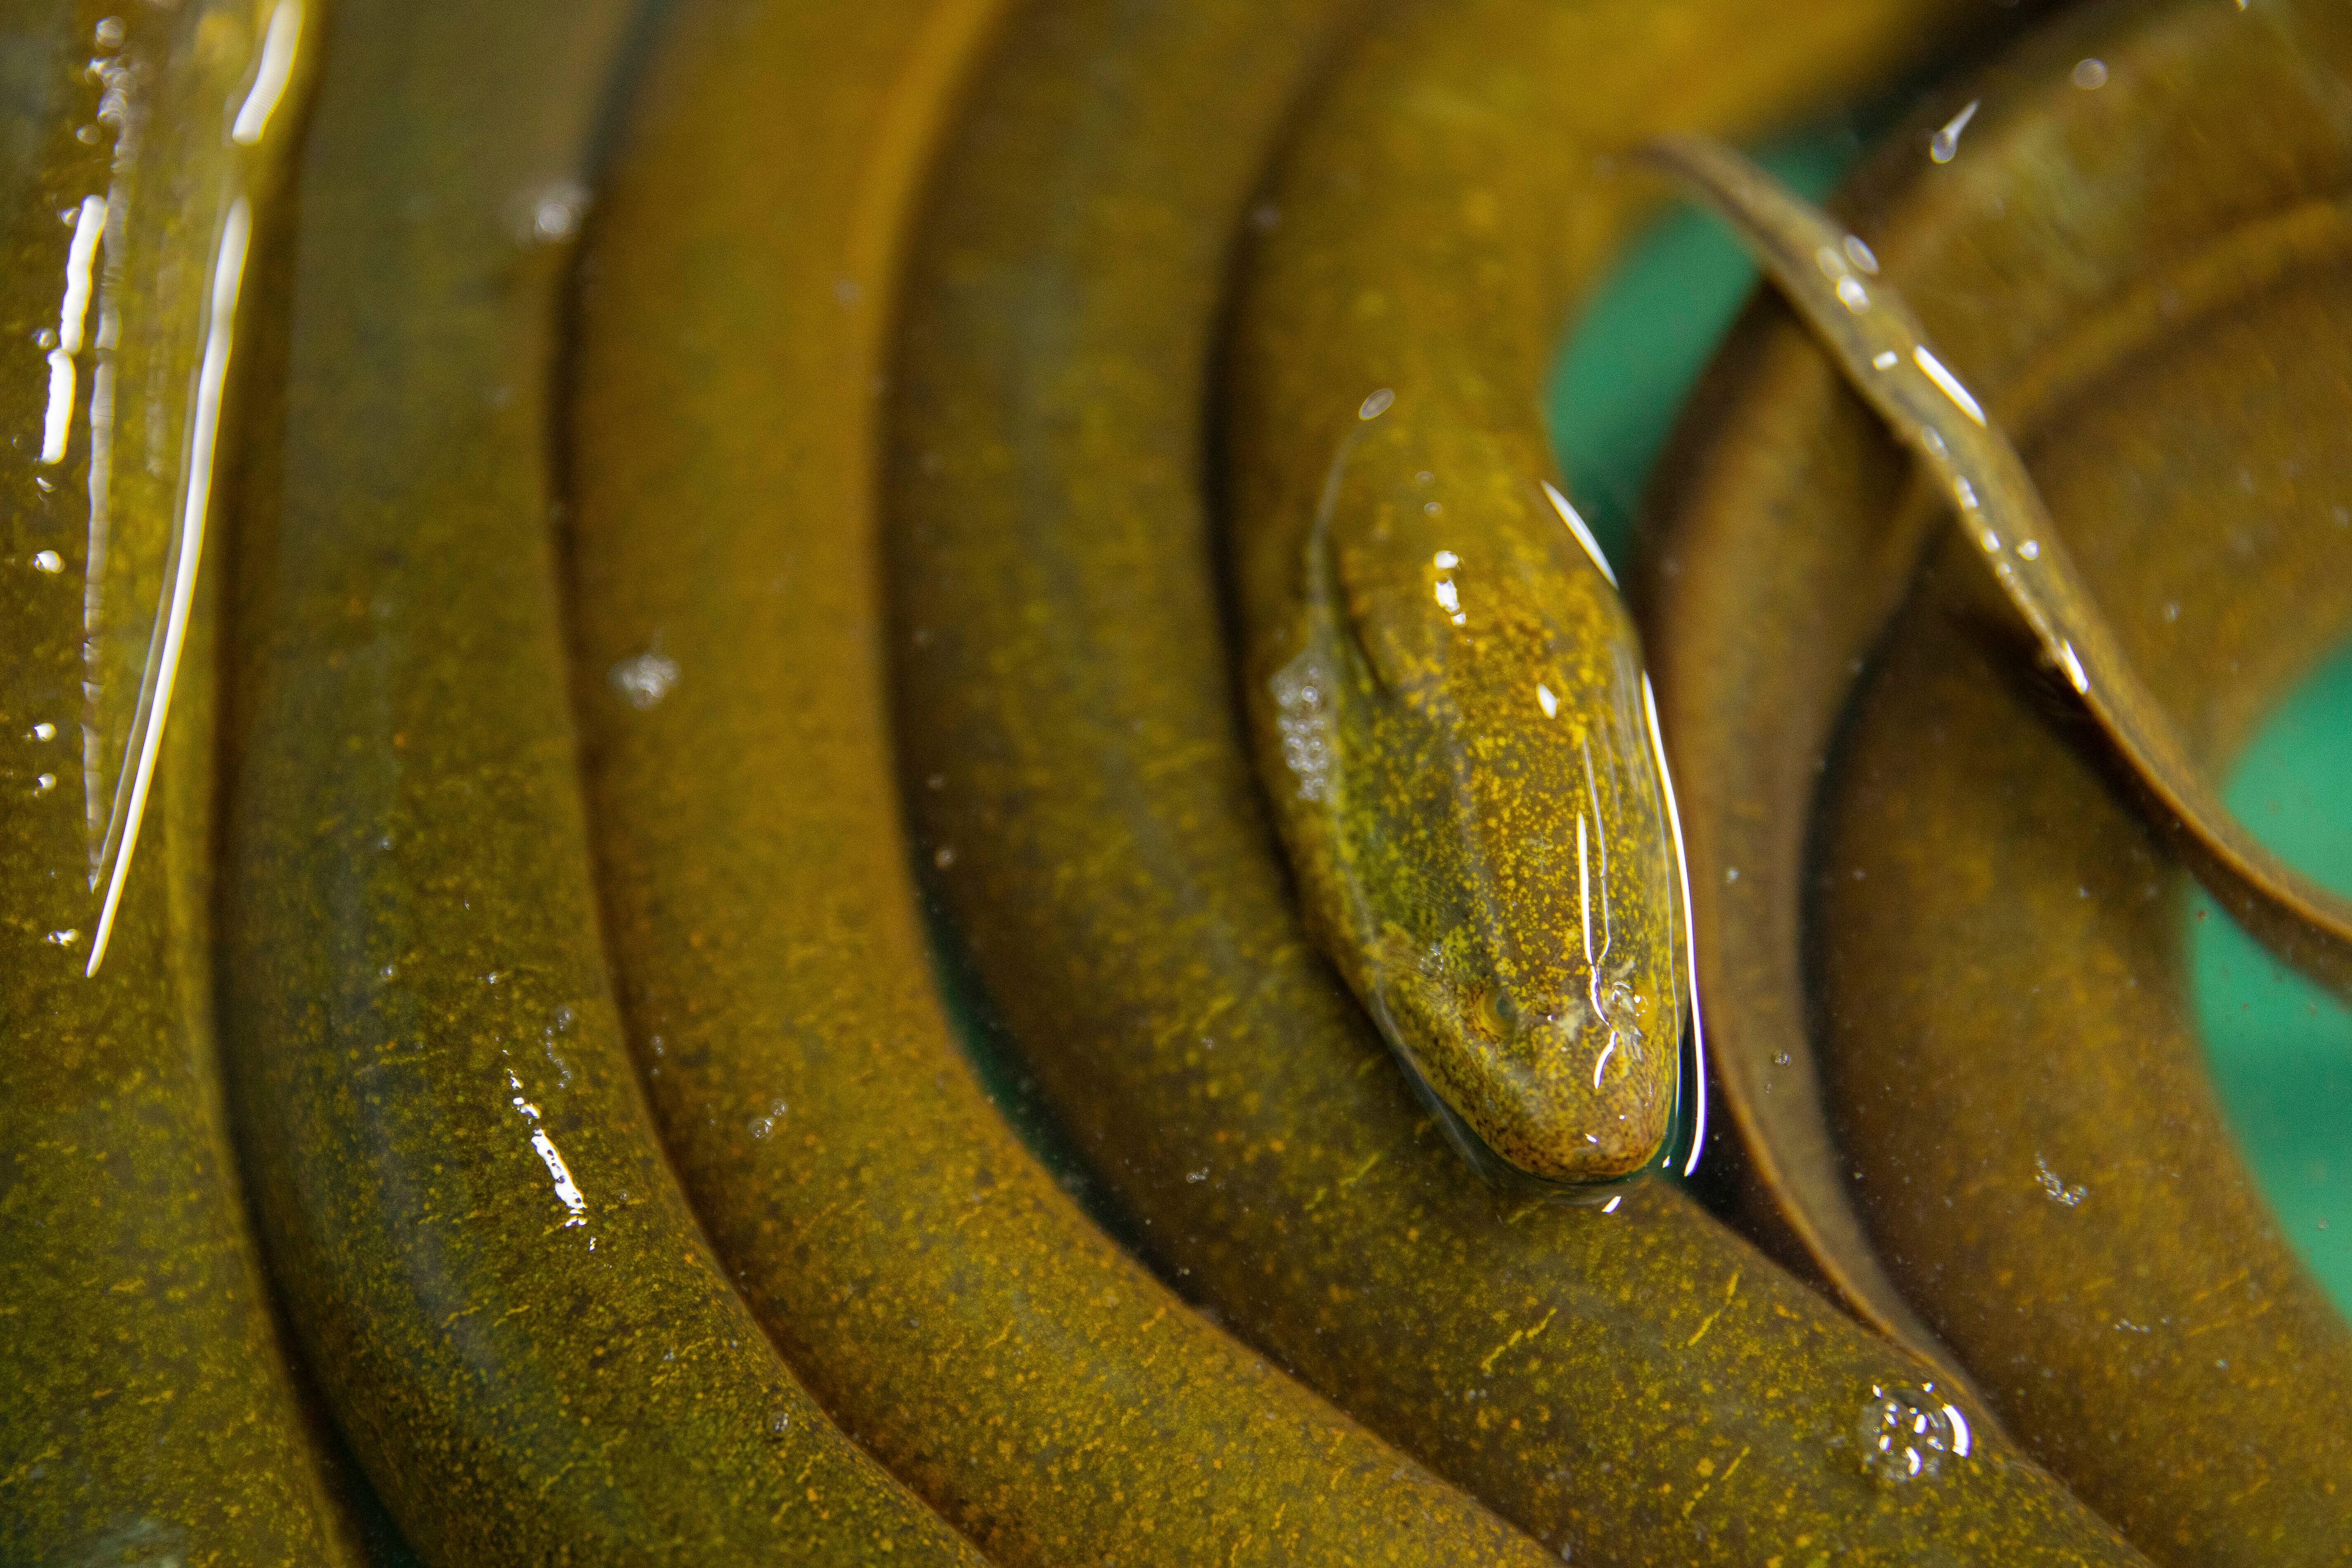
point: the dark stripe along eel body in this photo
(950, 1303)
(1632, 1384)
(2009, 1059)
(150, 1414)
(497, 1278)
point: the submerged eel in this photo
(950, 1304)
(2019, 1092)
(1631, 1383)
(1833, 278)
(512, 1309)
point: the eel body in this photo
(513, 1312)
(2010, 1101)
(1628, 1382)
(950, 1304)
(151, 1412)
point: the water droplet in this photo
(49, 560)
(550, 214)
(1906, 1433)
(644, 680)
(1946, 141)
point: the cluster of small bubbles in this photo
(2056, 1187)
(780, 1421)
(1906, 1434)
(764, 1124)
(1304, 721)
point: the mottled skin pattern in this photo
(495, 1274)
(1457, 752)
(950, 1304)
(149, 1414)
(2010, 1062)
(1833, 281)
(1632, 1384)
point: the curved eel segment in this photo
(1831, 278)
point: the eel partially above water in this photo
(1831, 277)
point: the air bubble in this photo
(49, 560)
(1906, 1434)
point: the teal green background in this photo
(2281, 1048)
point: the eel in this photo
(2039, 1157)
(1831, 277)
(151, 1411)
(1627, 1381)
(490, 1267)
(1446, 691)
(946, 1298)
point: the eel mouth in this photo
(1558, 1090)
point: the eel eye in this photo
(1494, 1012)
